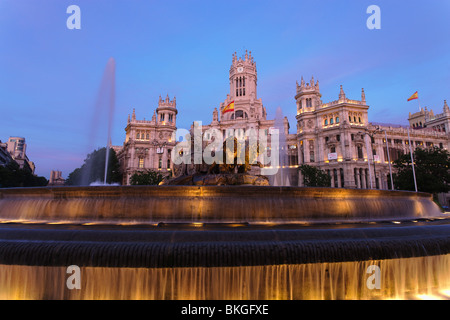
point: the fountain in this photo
(221, 233)
(221, 242)
(281, 178)
(105, 102)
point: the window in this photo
(240, 86)
(311, 156)
(162, 117)
(331, 121)
(239, 114)
(141, 162)
(138, 136)
(168, 163)
(170, 117)
(148, 136)
(333, 149)
(359, 119)
(160, 163)
(335, 178)
(360, 153)
(353, 136)
(354, 119)
(338, 137)
(349, 118)
(325, 122)
(337, 120)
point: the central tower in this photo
(243, 81)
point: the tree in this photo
(11, 176)
(431, 167)
(314, 177)
(93, 169)
(148, 177)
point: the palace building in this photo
(148, 143)
(334, 136)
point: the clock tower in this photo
(243, 81)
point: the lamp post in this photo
(389, 159)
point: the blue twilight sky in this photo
(50, 75)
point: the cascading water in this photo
(222, 242)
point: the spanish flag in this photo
(229, 107)
(414, 96)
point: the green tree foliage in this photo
(93, 169)
(148, 177)
(11, 176)
(431, 167)
(314, 177)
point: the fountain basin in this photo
(250, 204)
(221, 242)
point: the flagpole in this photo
(412, 161)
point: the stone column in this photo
(363, 179)
(338, 172)
(332, 177)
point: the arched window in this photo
(238, 114)
(337, 120)
(138, 136)
(360, 153)
(331, 120)
(141, 162)
(311, 156)
(359, 118)
(148, 136)
(325, 123)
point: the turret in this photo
(308, 95)
(166, 111)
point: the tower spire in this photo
(341, 94)
(363, 95)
